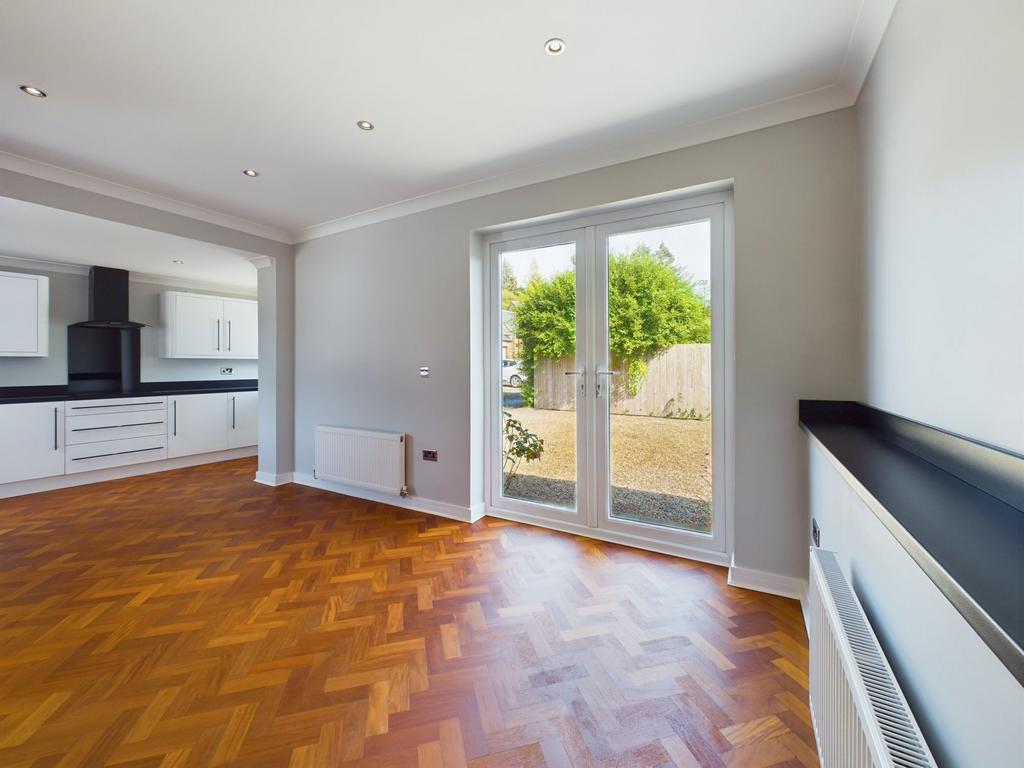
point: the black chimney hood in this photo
(108, 300)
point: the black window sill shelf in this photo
(954, 504)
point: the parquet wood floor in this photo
(196, 618)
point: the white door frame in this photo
(493, 459)
(715, 214)
(716, 548)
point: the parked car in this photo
(511, 374)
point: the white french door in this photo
(607, 388)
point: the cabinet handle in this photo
(229, 335)
(116, 453)
(175, 430)
(55, 429)
(232, 412)
(218, 334)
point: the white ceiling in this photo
(29, 231)
(174, 99)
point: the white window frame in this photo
(715, 548)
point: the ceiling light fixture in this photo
(251, 173)
(177, 261)
(31, 90)
(555, 46)
(365, 125)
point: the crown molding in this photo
(19, 262)
(821, 100)
(868, 30)
(260, 261)
(54, 173)
(865, 36)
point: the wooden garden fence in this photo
(678, 382)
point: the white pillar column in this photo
(276, 293)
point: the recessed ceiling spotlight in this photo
(365, 125)
(177, 261)
(31, 90)
(555, 46)
(251, 173)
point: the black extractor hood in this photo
(108, 300)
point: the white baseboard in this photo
(763, 581)
(477, 511)
(614, 537)
(57, 482)
(417, 503)
(269, 478)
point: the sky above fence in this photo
(689, 243)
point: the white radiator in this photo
(861, 719)
(361, 458)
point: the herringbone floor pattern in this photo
(196, 618)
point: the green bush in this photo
(651, 306)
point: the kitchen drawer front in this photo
(114, 453)
(114, 405)
(97, 427)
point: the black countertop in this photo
(40, 394)
(954, 504)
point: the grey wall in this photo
(970, 708)
(276, 285)
(942, 163)
(69, 303)
(375, 303)
(941, 124)
(144, 302)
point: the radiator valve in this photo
(404, 493)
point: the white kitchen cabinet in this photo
(243, 416)
(24, 315)
(241, 328)
(196, 424)
(197, 326)
(31, 441)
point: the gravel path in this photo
(661, 468)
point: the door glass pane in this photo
(538, 349)
(659, 404)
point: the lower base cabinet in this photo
(48, 439)
(211, 422)
(197, 425)
(31, 441)
(243, 416)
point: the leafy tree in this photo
(651, 306)
(545, 319)
(510, 290)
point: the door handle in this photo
(175, 422)
(55, 429)
(597, 380)
(229, 335)
(583, 380)
(232, 411)
(218, 335)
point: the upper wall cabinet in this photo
(197, 325)
(24, 315)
